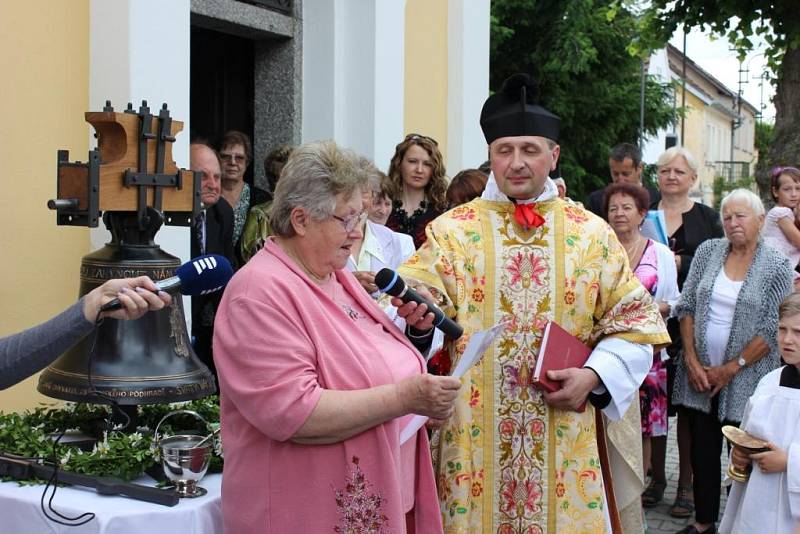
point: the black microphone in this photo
(389, 282)
(199, 276)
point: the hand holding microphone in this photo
(199, 276)
(390, 283)
(136, 297)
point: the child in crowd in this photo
(780, 227)
(770, 500)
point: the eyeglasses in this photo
(416, 136)
(227, 158)
(350, 223)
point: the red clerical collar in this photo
(527, 216)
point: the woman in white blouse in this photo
(379, 246)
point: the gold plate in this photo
(742, 439)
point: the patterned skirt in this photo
(653, 400)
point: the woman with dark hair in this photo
(417, 180)
(236, 154)
(625, 206)
(465, 186)
(256, 227)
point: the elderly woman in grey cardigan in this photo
(728, 313)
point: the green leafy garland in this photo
(117, 454)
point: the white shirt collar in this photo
(369, 247)
(492, 192)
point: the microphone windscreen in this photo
(389, 282)
(204, 274)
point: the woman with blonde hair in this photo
(418, 184)
(689, 224)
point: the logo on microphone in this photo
(207, 291)
(204, 263)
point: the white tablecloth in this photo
(20, 512)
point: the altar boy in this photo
(770, 500)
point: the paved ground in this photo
(658, 519)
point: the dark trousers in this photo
(706, 431)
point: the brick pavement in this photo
(658, 519)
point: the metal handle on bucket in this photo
(176, 412)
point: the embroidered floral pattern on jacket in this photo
(360, 511)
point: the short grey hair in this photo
(372, 174)
(743, 195)
(315, 174)
(671, 153)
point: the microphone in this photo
(389, 282)
(199, 276)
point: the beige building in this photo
(360, 72)
(718, 125)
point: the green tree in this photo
(764, 134)
(578, 52)
(778, 22)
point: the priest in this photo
(512, 458)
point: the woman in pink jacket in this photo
(316, 382)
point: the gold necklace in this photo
(632, 255)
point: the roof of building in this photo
(675, 62)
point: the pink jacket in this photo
(278, 342)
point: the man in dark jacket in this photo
(212, 233)
(625, 164)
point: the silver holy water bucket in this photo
(184, 462)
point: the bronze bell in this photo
(133, 179)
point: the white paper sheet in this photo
(477, 345)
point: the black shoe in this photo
(691, 530)
(683, 506)
(653, 494)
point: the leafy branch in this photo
(118, 454)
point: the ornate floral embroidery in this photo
(360, 511)
(569, 297)
(474, 397)
(463, 213)
(526, 267)
(575, 214)
(535, 454)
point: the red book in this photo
(559, 350)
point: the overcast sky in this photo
(716, 57)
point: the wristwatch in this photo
(742, 362)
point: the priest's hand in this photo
(772, 461)
(416, 315)
(720, 376)
(576, 384)
(740, 459)
(367, 280)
